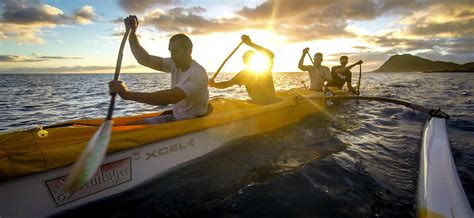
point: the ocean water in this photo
(360, 160)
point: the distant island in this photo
(412, 63)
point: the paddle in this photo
(312, 62)
(222, 65)
(304, 84)
(311, 59)
(360, 77)
(93, 154)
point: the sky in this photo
(61, 36)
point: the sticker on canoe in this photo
(108, 175)
(169, 149)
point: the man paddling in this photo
(342, 74)
(318, 74)
(188, 94)
(259, 84)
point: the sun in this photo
(259, 63)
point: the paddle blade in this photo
(91, 158)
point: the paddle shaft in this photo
(360, 77)
(117, 74)
(222, 65)
(94, 152)
(311, 59)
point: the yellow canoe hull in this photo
(36, 167)
(24, 152)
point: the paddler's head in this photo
(344, 59)
(181, 48)
(248, 56)
(318, 59)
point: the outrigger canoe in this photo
(33, 167)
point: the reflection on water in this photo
(360, 161)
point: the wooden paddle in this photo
(311, 59)
(360, 77)
(312, 62)
(222, 65)
(93, 154)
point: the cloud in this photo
(121, 33)
(457, 58)
(361, 47)
(453, 28)
(455, 19)
(34, 12)
(392, 41)
(432, 29)
(119, 20)
(188, 20)
(140, 6)
(62, 69)
(23, 20)
(318, 10)
(465, 13)
(461, 46)
(22, 34)
(372, 59)
(453, 49)
(31, 12)
(16, 58)
(85, 15)
(59, 58)
(303, 20)
(298, 20)
(401, 5)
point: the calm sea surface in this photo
(360, 161)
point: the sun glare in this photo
(258, 63)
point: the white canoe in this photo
(42, 194)
(440, 192)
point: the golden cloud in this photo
(22, 20)
(140, 6)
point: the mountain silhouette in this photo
(412, 63)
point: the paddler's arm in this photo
(354, 64)
(333, 72)
(300, 63)
(222, 85)
(349, 84)
(351, 89)
(162, 97)
(247, 41)
(138, 51)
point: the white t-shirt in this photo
(194, 83)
